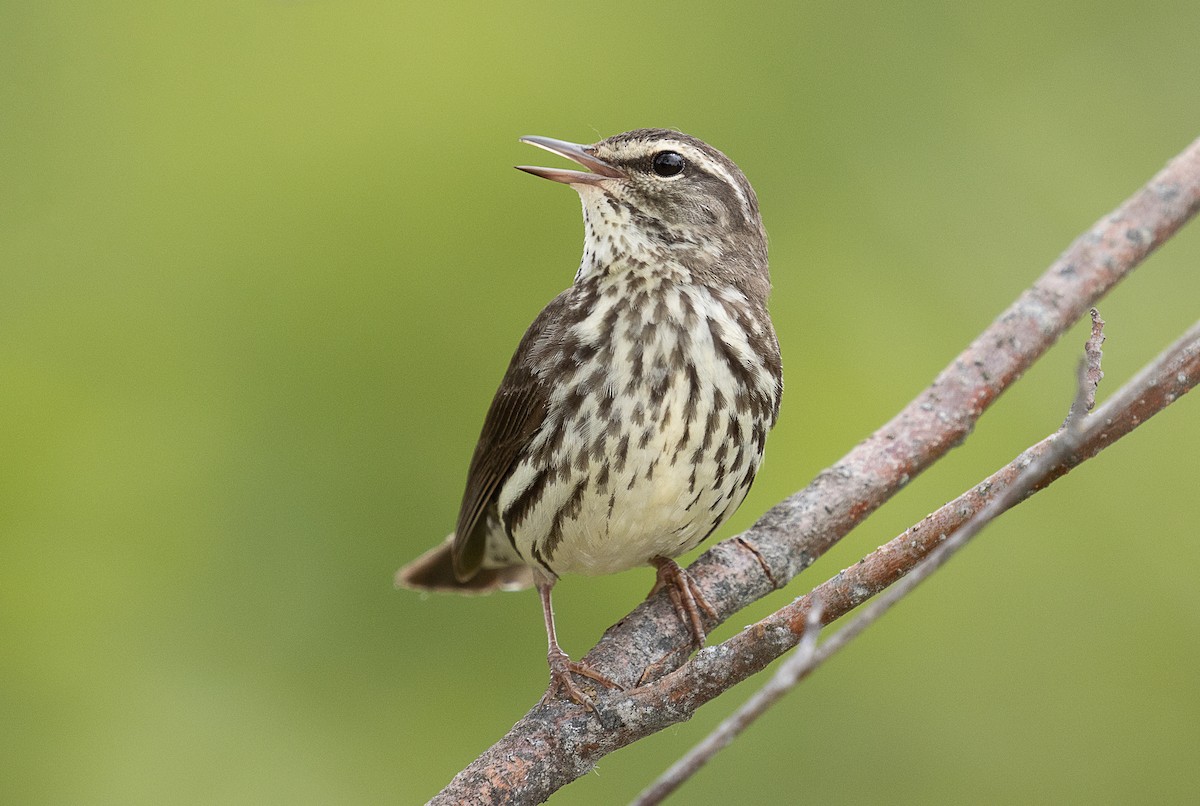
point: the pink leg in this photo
(562, 666)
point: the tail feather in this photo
(434, 571)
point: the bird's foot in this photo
(562, 684)
(685, 595)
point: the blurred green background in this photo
(263, 263)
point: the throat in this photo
(617, 238)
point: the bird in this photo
(633, 416)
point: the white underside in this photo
(641, 513)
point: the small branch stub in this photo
(557, 742)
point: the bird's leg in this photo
(685, 595)
(561, 666)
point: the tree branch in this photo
(557, 742)
(1158, 385)
(798, 666)
(806, 658)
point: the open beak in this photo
(600, 170)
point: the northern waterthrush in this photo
(632, 419)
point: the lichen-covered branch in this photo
(1161, 383)
(806, 658)
(557, 742)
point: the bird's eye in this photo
(667, 163)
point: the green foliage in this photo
(262, 265)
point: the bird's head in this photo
(656, 194)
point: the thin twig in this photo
(716, 669)
(555, 742)
(794, 668)
(1165, 380)
(1062, 445)
(1093, 374)
(806, 658)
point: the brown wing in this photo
(517, 412)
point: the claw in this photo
(685, 596)
(561, 683)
